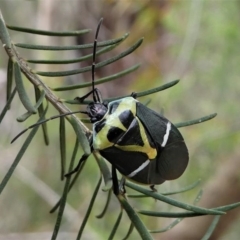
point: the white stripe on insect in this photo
(165, 138)
(132, 174)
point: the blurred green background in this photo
(196, 41)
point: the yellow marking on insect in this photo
(101, 141)
(127, 103)
(151, 152)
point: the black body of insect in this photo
(140, 143)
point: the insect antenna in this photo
(96, 93)
(44, 121)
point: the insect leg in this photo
(81, 99)
(82, 160)
(98, 96)
(153, 188)
(134, 95)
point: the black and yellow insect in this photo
(140, 143)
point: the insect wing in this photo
(129, 164)
(172, 156)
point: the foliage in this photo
(45, 94)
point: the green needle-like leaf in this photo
(186, 214)
(107, 176)
(85, 120)
(76, 60)
(148, 92)
(48, 33)
(75, 178)
(62, 138)
(7, 104)
(211, 228)
(65, 192)
(98, 65)
(195, 121)
(137, 196)
(157, 89)
(19, 155)
(178, 220)
(4, 36)
(170, 226)
(99, 81)
(40, 99)
(198, 197)
(9, 78)
(73, 47)
(40, 109)
(168, 193)
(89, 209)
(169, 214)
(131, 227)
(140, 227)
(139, 94)
(185, 189)
(26, 115)
(106, 205)
(116, 225)
(81, 136)
(172, 201)
(21, 90)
